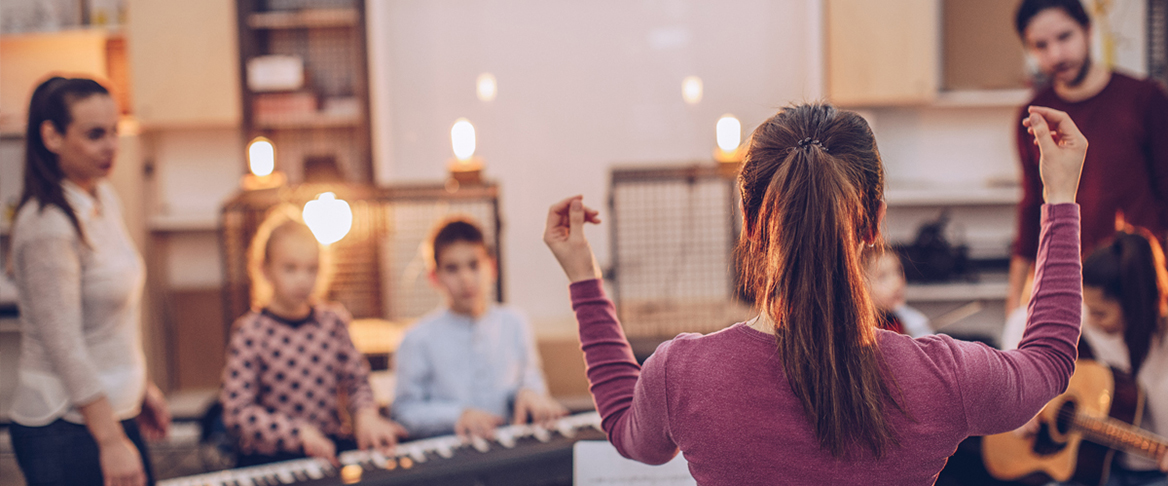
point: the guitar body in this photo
(1057, 452)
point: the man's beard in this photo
(1082, 74)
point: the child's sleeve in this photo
(353, 374)
(533, 378)
(413, 406)
(259, 429)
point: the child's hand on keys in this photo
(477, 423)
(315, 444)
(374, 431)
(1063, 149)
(541, 408)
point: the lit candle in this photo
(329, 218)
(465, 167)
(261, 156)
(261, 160)
(691, 90)
(729, 136)
(486, 87)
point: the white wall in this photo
(583, 86)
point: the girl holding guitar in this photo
(1125, 295)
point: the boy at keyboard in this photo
(467, 367)
(288, 359)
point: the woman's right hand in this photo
(1063, 148)
(564, 235)
(121, 464)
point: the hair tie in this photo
(806, 144)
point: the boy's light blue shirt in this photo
(450, 362)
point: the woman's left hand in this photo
(154, 420)
(564, 235)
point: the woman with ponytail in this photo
(1125, 299)
(810, 391)
(83, 403)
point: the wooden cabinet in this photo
(918, 52)
(318, 121)
(184, 63)
(882, 53)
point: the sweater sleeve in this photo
(260, 429)
(1002, 390)
(49, 279)
(353, 374)
(1029, 209)
(631, 400)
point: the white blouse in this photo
(80, 306)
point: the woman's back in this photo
(724, 400)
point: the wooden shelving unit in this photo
(329, 37)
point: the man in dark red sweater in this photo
(1126, 120)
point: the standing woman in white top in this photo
(83, 402)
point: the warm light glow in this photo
(691, 90)
(729, 133)
(329, 218)
(462, 137)
(261, 156)
(487, 87)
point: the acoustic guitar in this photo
(1079, 432)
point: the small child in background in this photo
(886, 285)
(469, 366)
(289, 357)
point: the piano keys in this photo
(519, 455)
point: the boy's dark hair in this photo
(1029, 8)
(455, 231)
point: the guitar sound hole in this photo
(1048, 441)
(1066, 416)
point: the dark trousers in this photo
(65, 454)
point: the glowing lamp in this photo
(261, 159)
(691, 90)
(329, 218)
(729, 136)
(465, 168)
(486, 87)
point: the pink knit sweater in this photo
(724, 401)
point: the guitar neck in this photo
(1121, 436)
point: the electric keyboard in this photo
(519, 455)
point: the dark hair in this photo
(812, 185)
(453, 231)
(1029, 8)
(52, 101)
(1130, 269)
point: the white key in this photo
(566, 429)
(313, 470)
(445, 451)
(285, 476)
(506, 438)
(480, 444)
(378, 459)
(417, 454)
(541, 434)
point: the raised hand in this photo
(564, 235)
(1063, 148)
